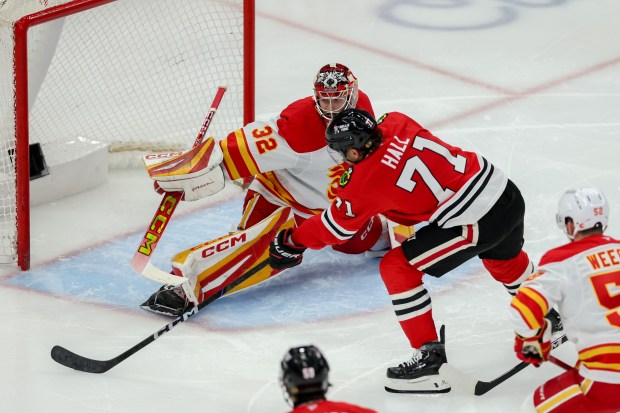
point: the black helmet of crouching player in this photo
(353, 128)
(303, 375)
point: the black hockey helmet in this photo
(353, 128)
(304, 373)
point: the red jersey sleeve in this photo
(356, 203)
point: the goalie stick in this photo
(479, 387)
(141, 261)
(72, 360)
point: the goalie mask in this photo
(335, 89)
(352, 128)
(303, 374)
(587, 207)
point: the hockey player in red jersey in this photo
(304, 379)
(291, 166)
(581, 278)
(401, 170)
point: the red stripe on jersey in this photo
(270, 181)
(532, 307)
(441, 253)
(602, 357)
(576, 247)
(238, 159)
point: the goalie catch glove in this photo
(283, 253)
(197, 172)
(534, 350)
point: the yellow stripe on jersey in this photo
(247, 211)
(558, 399)
(228, 163)
(599, 350)
(245, 153)
(586, 385)
(238, 159)
(601, 366)
(526, 314)
(531, 305)
(537, 298)
(271, 182)
(605, 357)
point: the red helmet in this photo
(335, 89)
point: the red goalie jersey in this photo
(412, 177)
(288, 157)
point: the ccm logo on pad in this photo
(224, 245)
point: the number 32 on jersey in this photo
(263, 139)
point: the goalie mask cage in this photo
(133, 75)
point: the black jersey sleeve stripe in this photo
(335, 229)
(447, 213)
(466, 205)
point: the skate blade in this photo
(422, 385)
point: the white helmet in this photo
(587, 207)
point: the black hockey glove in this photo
(283, 253)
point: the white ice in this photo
(533, 85)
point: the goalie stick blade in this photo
(69, 359)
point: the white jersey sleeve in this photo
(583, 280)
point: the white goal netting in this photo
(134, 75)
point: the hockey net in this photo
(135, 76)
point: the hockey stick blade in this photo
(479, 387)
(68, 358)
(72, 360)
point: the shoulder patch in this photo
(382, 118)
(346, 177)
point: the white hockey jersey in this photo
(583, 279)
(287, 157)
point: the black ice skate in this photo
(168, 300)
(421, 373)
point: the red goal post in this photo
(135, 76)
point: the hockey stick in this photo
(75, 361)
(479, 387)
(559, 363)
(141, 261)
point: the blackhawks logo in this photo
(346, 177)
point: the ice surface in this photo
(532, 85)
